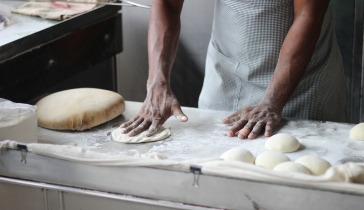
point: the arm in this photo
(295, 54)
(160, 102)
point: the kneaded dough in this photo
(282, 142)
(79, 109)
(163, 133)
(291, 167)
(316, 164)
(269, 159)
(357, 132)
(238, 154)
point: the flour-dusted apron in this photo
(247, 36)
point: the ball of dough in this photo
(282, 142)
(357, 132)
(269, 159)
(238, 154)
(316, 164)
(78, 109)
(292, 167)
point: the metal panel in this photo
(17, 197)
(38, 196)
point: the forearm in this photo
(163, 36)
(295, 54)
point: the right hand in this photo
(158, 106)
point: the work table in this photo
(183, 180)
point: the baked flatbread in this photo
(79, 109)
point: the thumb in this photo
(177, 113)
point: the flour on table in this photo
(163, 133)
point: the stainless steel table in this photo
(51, 183)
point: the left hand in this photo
(249, 122)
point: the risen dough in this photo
(269, 159)
(292, 167)
(78, 109)
(316, 164)
(357, 132)
(163, 133)
(238, 154)
(282, 142)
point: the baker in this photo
(266, 60)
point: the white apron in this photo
(247, 36)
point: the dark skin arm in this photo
(160, 102)
(295, 54)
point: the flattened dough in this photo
(79, 109)
(238, 154)
(282, 142)
(357, 132)
(163, 133)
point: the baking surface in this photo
(204, 136)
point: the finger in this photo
(177, 113)
(154, 128)
(128, 123)
(268, 129)
(133, 125)
(258, 128)
(243, 133)
(236, 127)
(141, 127)
(231, 119)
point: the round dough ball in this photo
(238, 154)
(357, 132)
(78, 109)
(292, 167)
(269, 159)
(282, 142)
(316, 164)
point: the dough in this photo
(18, 122)
(282, 142)
(291, 167)
(316, 164)
(78, 109)
(269, 159)
(357, 132)
(163, 133)
(238, 154)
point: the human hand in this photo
(249, 122)
(158, 106)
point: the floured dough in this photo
(269, 159)
(316, 164)
(291, 167)
(79, 109)
(357, 132)
(282, 142)
(238, 154)
(163, 133)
